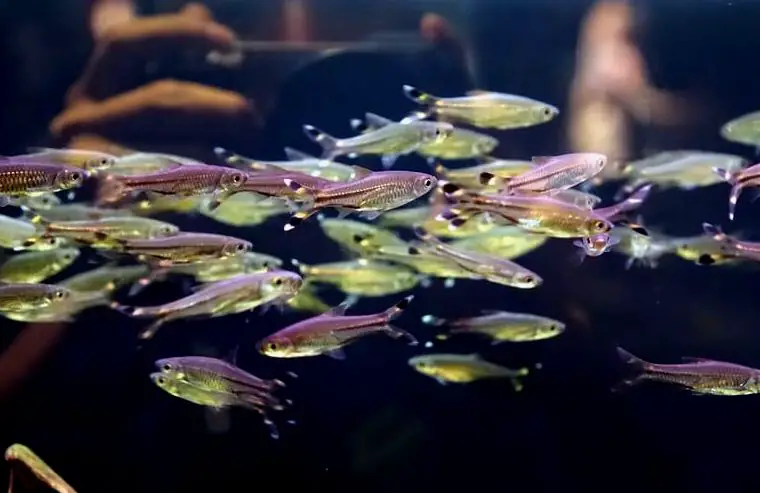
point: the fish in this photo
(361, 277)
(62, 312)
(702, 376)
(244, 209)
(406, 217)
(219, 269)
(275, 184)
(461, 144)
(715, 247)
(34, 267)
(551, 173)
(235, 295)
(108, 229)
(73, 212)
(488, 267)
(469, 178)
(533, 213)
(686, 170)
(464, 368)
(484, 109)
(43, 201)
(739, 179)
(743, 130)
(390, 141)
(138, 163)
(217, 375)
(632, 202)
(359, 238)
(299, 162)
(155, 203)
(42, 471)
(18, 234)
(216, 400)
(182, 180)
(508, 242)
(307, 300)
(596, 245)
(644, 249)
(106, 278)
(368, 196)
(184, 247)
(327, 334)
(26, 297)
(422, 262)
(91, 161)
(501, 326)
(19, 178)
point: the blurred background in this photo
(631, 78)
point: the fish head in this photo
(58, 295)
(436, 132)
(753, 383)
(549, 328)
(169, 366)
(68, 255)
(259, 261)
(282, 283)
(595, 225)
(232, 179)
(595, 160)
(424, 183)
(545, 112)
(163, 381)
(68, 178)
(99, 163)
(164, 229)
(527, 280)
(236, 247)
(424, 365)
(276, 346)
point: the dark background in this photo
(370, 423)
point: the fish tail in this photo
(149, 331)
(109, 190)
(302, 268)
(637, 197)
(397, 333)
(396, 310)
(325, 140)
(515, 379)
(731, 176)
(297, 219)
(130, 311)
(636, 364)
(418, 96)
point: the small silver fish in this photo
(484, 109)
(19, 178)
(185, 248)
(551, 173)
(328, 333)
(298, 162)
(86, 159)
(501, 326)
(744, 129)
(389, 141)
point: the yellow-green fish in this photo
(73, 212)
(464, 368)
(509, 242)
(219, 269)
(362, 277)
(484, 109)
(422, 262)
(501, 326)
(105, 278)
(244, 209)
(36, 466)
(26, 297)
(469, 177)
(406, 217)
(62, 312)
(86, 159)
(156, 204)
(307, 300)
(184, 247)
(358, 237)
(109, 229)
(298, 161)
(744, 129)
(34, 267)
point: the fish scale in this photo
(372, 191)
(188, 180)
(20, 178)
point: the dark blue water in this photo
(370, 423)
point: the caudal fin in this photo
(326, 141)
(418, 96)
(636, 365)
(110, 190)
(396, 310)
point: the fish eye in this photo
(277, 281)
(272, 346)
(59, 294)
(76, 176)
(600, 226)
(527, 279)
(240, 247)
(104, 161)
(166, 367)
(236, 178)
(547, 111)
(161, 380)
(428, 182)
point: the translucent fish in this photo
(15, 233)
(185, 247)
(640, 248)
(485, 109)
(551, 173)
(389, 141)
(362, 277)
(715, 247)
(406, 217)
(62, 312)
(18, 179)
(502, 326)
(41, 202)
(156, 204)
(307, 300)
(299, 162)
(216, 400)
(739, 179)
(105, 278)
(743, 130)
(533, 213)
(181, 180)
(34, 267)
(488, 267)
(469, 178)
(423, 262)
(244, 209)
(596, 245)
(358, 237)
(683, 169)
(110, 229)
(369, 196)
(138, 163)
(25, 297)
(507, 242)
(700, 375)
(36, 466)
(328, 333)
(275, 184)
(235, 295)
(461, 144)
(219, 269)
(88, 160)
(75, 212)
(463, 368)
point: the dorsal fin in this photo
(264, 167)
(340, 310)
(692, 359)
(296, 155)
(541, 160)
(376, 121)
(360, 172)
(477, 92)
